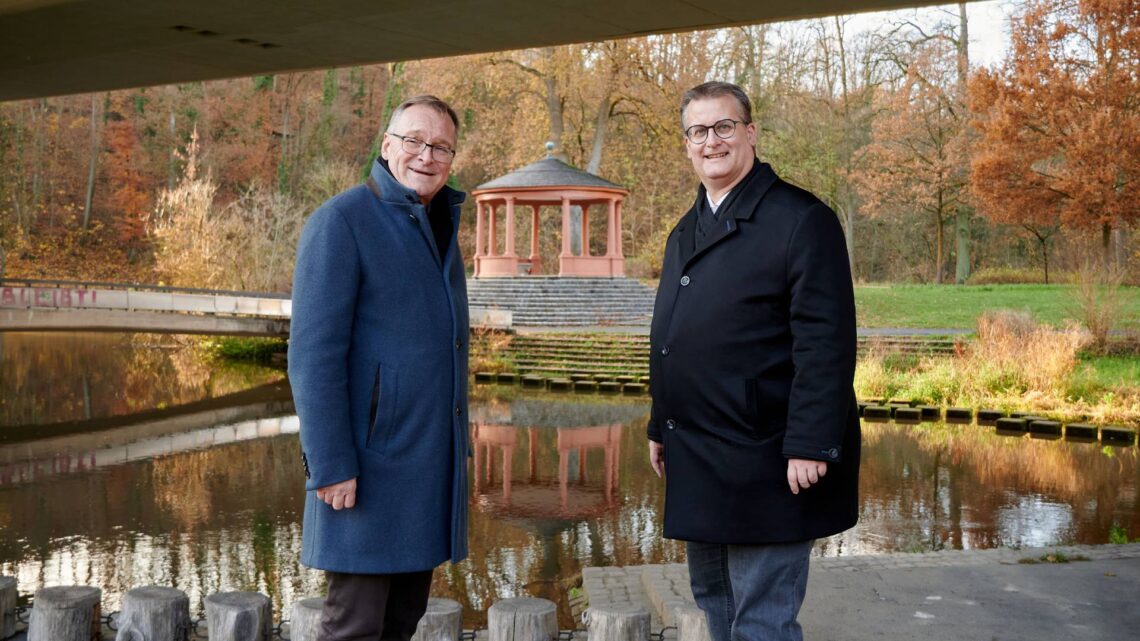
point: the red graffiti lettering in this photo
(7, 297)
(82, 293)
(44, 298)
(65, 298)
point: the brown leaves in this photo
(1059, 121)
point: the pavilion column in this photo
(617, 231)
(585, 230)
(492, 241)
(611, 226)
(534, 233)
(510, 242)
(565, 227)
(479, 233)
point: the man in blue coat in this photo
(754, 421)
(378, 366)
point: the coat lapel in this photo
(752, 190)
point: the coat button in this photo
(458, 410)
(671, 424)
(665, 350)
(458, 344)
(685, 281)
(833, 452)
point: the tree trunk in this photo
(1106, 246)
(65, 613)
(618, 623)
(691, 623)
(962, 238)
(238, 616)
(939, 236)
(92, 163)
(153, 612)
(305, 622)
(848, 197)
(962, 224)
(522, 619)
(7, 597)
(443, 621)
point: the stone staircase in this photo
(560, 355)
(551, 301)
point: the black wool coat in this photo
(752, 361)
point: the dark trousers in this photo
(372, 607)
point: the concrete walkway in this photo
(983, 595)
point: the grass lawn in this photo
(956, 306)
(1110, 372)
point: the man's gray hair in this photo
(717, 89)
(426, 101)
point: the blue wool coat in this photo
(378, 366)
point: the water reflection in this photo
(55, 377)
(212, 501)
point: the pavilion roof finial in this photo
(550, 148)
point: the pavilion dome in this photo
(549, 172)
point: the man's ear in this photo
(384, 146)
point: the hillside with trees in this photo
(941, 170)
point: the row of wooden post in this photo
(72, 613)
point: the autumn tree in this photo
(1059, 121)
(911, 167)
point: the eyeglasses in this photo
(724, 130)
(415, 146)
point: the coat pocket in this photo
(381, 408)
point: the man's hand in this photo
(803, 473)
(657, 457)
(339, 495)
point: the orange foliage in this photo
(1059, 120)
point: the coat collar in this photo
(389, 190)
(742, 204)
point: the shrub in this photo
(1006, 276)
(1097, 302)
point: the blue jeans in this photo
(750, 592)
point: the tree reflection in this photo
(559, 485)
(55, 377)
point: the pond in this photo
(128, 460)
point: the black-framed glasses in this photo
(415, 146)
(724, 129)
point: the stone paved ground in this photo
(876, 591)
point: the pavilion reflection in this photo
(536, 494)
(527, 465)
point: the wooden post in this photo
(153, 612)
(691, 623)
(625, 622)
(8, 596)
(443, 621)
(66, 613)
(238, 616)
(305, 622)
(522, 619)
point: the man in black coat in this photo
(754, 421)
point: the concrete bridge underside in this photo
(53, 47)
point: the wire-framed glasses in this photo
(415, 146)
(724, 129)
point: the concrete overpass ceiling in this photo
(54, 47)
